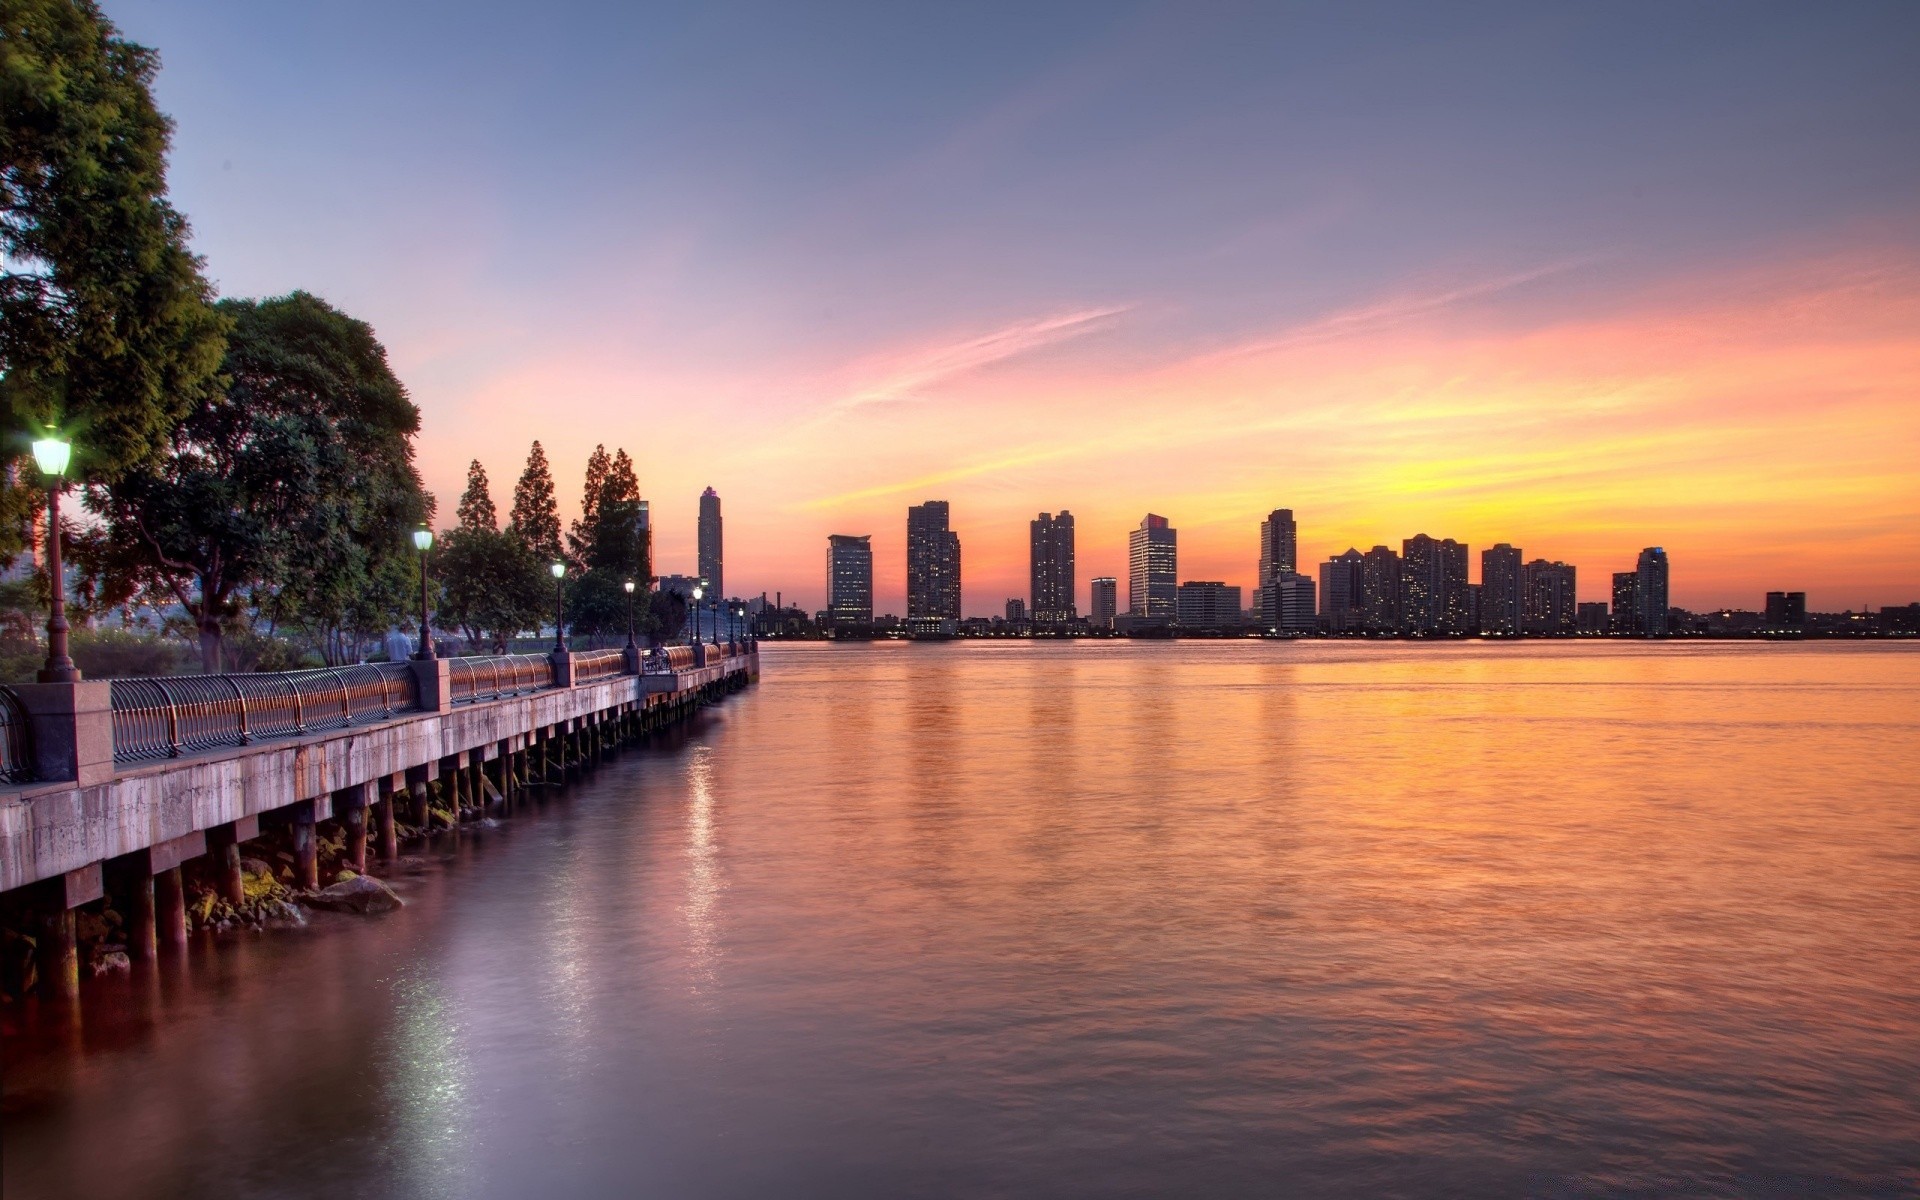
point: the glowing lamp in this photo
(423, 539)
(52, 455)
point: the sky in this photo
(1579, 278)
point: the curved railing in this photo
(16, 739)
(491, 676)
(680, 658)
(590, 666)
(164, 716)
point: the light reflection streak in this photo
(432, 1093)
(704, 882)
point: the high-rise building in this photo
(850, 579)
(1153, 569)
(1292, 603)
(1434, 586)
(1549, 597)
(1279, 545)
(933, 562)
(1652, 591)
(1207, 604)
(1051, 568)
(1016, 610)
(1343, 591)
(1105, 601)
(710, 569)
(1380, 589)
(1626, 603)
(1786, 612)
(1501, 597)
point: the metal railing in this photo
(491, 676)
(590, 666)
(165, 716)
(16, 739)
(680, 658)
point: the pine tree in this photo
(581, 539)
(476, 503)
(536, 514)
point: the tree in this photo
(580, 541)
(536, 513)
(615, 550)
(106, 326)
(493, 583)
(476, 503)
(296, 482)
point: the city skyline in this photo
(1584, 301)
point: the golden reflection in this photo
(704, 880)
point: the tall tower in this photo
(850, 579)
(1343, 591)
(710, 543)
(1153, 567)
(1050, 555)
(1650, 591)
(1105, 597)
(933, 562)
(1434, 597)
(1381, 585)
(1502, 601)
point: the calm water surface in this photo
(1097, 919)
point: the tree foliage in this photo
(536, 511)
(580, 539)
(295, 483)
(493, 583)
(106, 326)
(613, 548)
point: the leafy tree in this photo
(106, 326)
(614, 549)
(494, 584)
(476, 503)
(580, 540)
(536, 513)
(296, 482)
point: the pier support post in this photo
(390, 790)
(350, 804)
(143, 938)
(417, 779)
(223, 844)
(170, 909)
(306, 856)
(58, 955)
(57, 948)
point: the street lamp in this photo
(629, 587)
(52, 455)
(559, 607)
(423, 542)
(698, 591)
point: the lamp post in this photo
(698, 591)
(629, 587)
(559, 608)
(52, 455)
(423, 542)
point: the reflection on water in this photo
(1098, 919)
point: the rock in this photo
(362, 894)
(255, 866)
(113, 960)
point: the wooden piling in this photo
(170, 909)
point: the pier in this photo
(112, 787)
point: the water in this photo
(1012, 919)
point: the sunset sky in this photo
(1585, 279)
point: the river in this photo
(1095, 919)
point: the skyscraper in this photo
(1502, 601)
(1434, 585)
(1550, 598)
(1651, 591)
(1380, 589)
(933, 562)
(1051, 568)
(1279, 555)
(1343, 591)
(1105, 601)
(1786, 612)
(1626, 603)
(1153, 569)
(850, 579)
(710, 543)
